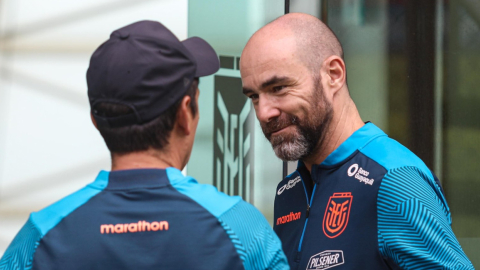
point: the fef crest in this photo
(337, 213)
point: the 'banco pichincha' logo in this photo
(234, 122)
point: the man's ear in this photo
(185, 115)
(93, 121)
(334, 73)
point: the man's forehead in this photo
(267, 58)
(265, 48)
(258, 72)
(260, 77)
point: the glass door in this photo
(413, 70)
(230, 150)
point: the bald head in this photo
(313, 40)
(293, 71)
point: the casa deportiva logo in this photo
(289, 185)
(360, 174)
(325, 260)
(140, 226)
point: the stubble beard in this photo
(308, 133)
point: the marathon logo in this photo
(290, 217)
(140, 226)
(326, 259)
(360, 174)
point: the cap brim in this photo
(204, 54)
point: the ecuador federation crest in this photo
(337, 213)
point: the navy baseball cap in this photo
(145, 67)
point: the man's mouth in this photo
(278, 131)
(279, 126)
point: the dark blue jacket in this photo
(146, 219)
(372, 204)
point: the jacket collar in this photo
(356, 141)
(131, 179)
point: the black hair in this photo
(140, 137)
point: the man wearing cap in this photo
(145, 214)
(358, 199)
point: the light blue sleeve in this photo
(255, 241)
(19, 254)
(414, 228)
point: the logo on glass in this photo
(233, 139)
(337, 213)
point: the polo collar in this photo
(356, 141)
(137, 178)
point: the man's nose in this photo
(266, 109)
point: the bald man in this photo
(358, 199)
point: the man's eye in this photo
(253, 97)
(278, 88)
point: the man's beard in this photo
(308, 133)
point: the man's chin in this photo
(283, 138)
(289, 151)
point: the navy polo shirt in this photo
(372, 204)
(146, 219)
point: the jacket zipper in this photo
(307, 214)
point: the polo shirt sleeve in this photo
(414, 225)
(256, 243)
(20, 252)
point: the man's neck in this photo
(343, 125)
(149, 159)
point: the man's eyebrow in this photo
(247, 91)
(274, 80)
(267, 83)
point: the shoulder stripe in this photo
(390, 154)
(357, 140)
(20, 253)
(256, 243)
(49, 217)
(207, 196)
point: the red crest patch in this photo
(337, 213)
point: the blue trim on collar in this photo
(101, 181)
(355, 142)
(175, 176)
